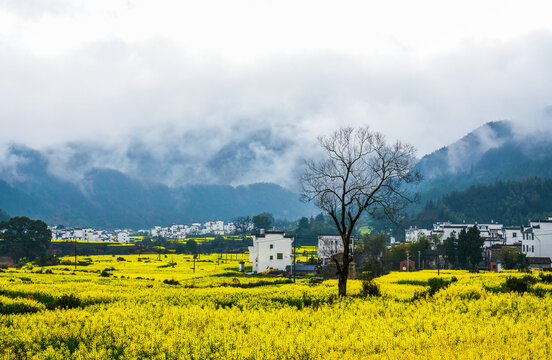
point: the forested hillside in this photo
(508, 202)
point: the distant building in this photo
(302, 268)
(407, 265)
(271, 250)
(512, 234)
(539, 263)
(329, 245)
(413, 233)
(537, 239)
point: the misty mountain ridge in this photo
(109, 198)
(139, 186)
(490, 153)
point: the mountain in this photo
(109, 198)
(492, 152)
(511, 202)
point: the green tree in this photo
(450, 250)
(522, 261)
(218, 244)
(263, 221)
(470, 248)
(370, 253)
(397, 253)
(476, 242)
(509, 259)
(418, 250)
(23, 237)
(191, 247)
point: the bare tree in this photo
(243, 224)
(360, 172)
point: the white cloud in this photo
(187, 83)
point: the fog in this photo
(154, 108)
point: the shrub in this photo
(171, 282)
(546, 278)
(19, 306)
(436, 284)
(120, 258)
(370, 288)
(105, 273)
(68, 302)
(516, 284)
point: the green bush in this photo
(370, 288)
(68, 302)
(171, 282)
(105, 273)
(436, 284)
(546, 278)
(517, 284)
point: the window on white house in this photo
(532, 248)
(272, 246)
(271, 257)
(279, 256)
(514, 235)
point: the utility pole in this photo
(437, 262)
(75, 254)
(294, 254)
(419, 264)
(407, 262)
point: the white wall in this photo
(265, 252)
(512, 235)
(538, 243)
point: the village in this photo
(124, 235)
(273, 249)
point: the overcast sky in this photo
(213, 72)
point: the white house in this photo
(411, 234)
(537, 238)
(329, 245)
(271, 250)
(512, 234)
(123, 236)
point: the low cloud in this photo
(153, 111)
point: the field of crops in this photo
(167, 308)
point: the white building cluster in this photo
(89, 234)
(534, 239)
(123, 235)
(183, 231)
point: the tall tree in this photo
(243, 225)
(476, 242)
(470, 248)
(191, 247)
(360, 172)
(263, 221)
(450, 245)
(22, 237)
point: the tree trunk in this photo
(344, 273)
(342, 284)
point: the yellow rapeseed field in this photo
(163, 308)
